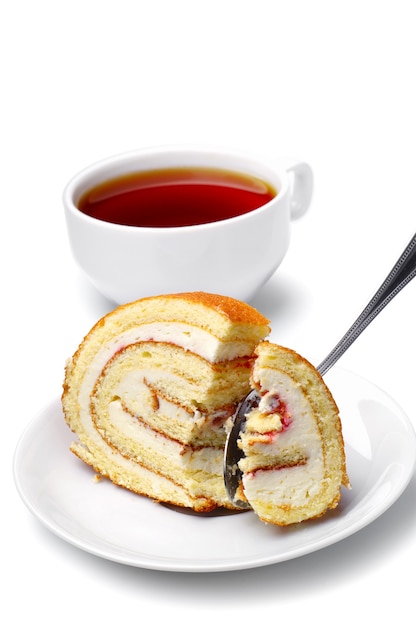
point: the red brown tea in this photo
(175, 197)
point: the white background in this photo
(329, 82)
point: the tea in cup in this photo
(175, 219)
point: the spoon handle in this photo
(401, 274)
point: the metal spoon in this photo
(401, 274)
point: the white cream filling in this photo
(188, 337)
(151, 443)
(292, 485)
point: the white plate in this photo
(115, 524)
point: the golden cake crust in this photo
(235, 310)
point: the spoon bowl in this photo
(233, 454)
(401, 274)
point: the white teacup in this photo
(234, 256)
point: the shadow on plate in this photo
(219, 512)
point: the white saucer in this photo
(118, 525)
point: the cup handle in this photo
(301, 183)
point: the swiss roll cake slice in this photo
(294, 459)
(150, 388)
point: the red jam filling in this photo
(276, 405)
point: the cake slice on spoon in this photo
(294, 460)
